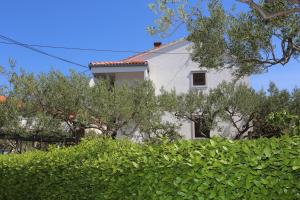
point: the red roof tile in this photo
(119, 63)
(138, 59)
(3, 99)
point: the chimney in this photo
(157, 45)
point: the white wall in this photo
(174, 71)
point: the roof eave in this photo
(145, 64)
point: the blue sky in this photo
(106, 24)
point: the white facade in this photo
(170, 66)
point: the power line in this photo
(91, 49)
(14, 42)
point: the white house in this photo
(168, 66)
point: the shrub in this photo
(285, 122)
(118, 169)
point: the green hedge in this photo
(117, 169)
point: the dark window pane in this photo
(112, 79)
(197, 130)
(199, 78)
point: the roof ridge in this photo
(153, 50)
(136, 59)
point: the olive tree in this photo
(42, 108)
(127, 109)
(53, 107)
(240, 105)
(249, 41)
(194, 106)
(294, 106)
(274, 100)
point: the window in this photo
(199, 78)
(110, 78)
(201, 128)
(197, 130)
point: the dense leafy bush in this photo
(118, 169)
(285, 122)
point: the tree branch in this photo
(267, 16)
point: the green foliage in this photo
(194, 106)
(273, 101)
(285, 122)
(236, 103)
(257, 114)
(59, 106)
(294, 106)
(122, 106)
(240, 105)
(43, 104)
(248, 41)
(209, 30)
(119, 169)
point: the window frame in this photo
(110, 77)
(194, 130)
(192, 79)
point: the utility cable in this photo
(91, 49)
(15, 42)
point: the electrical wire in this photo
(91, 49)
(15, 42)
(11, 41)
